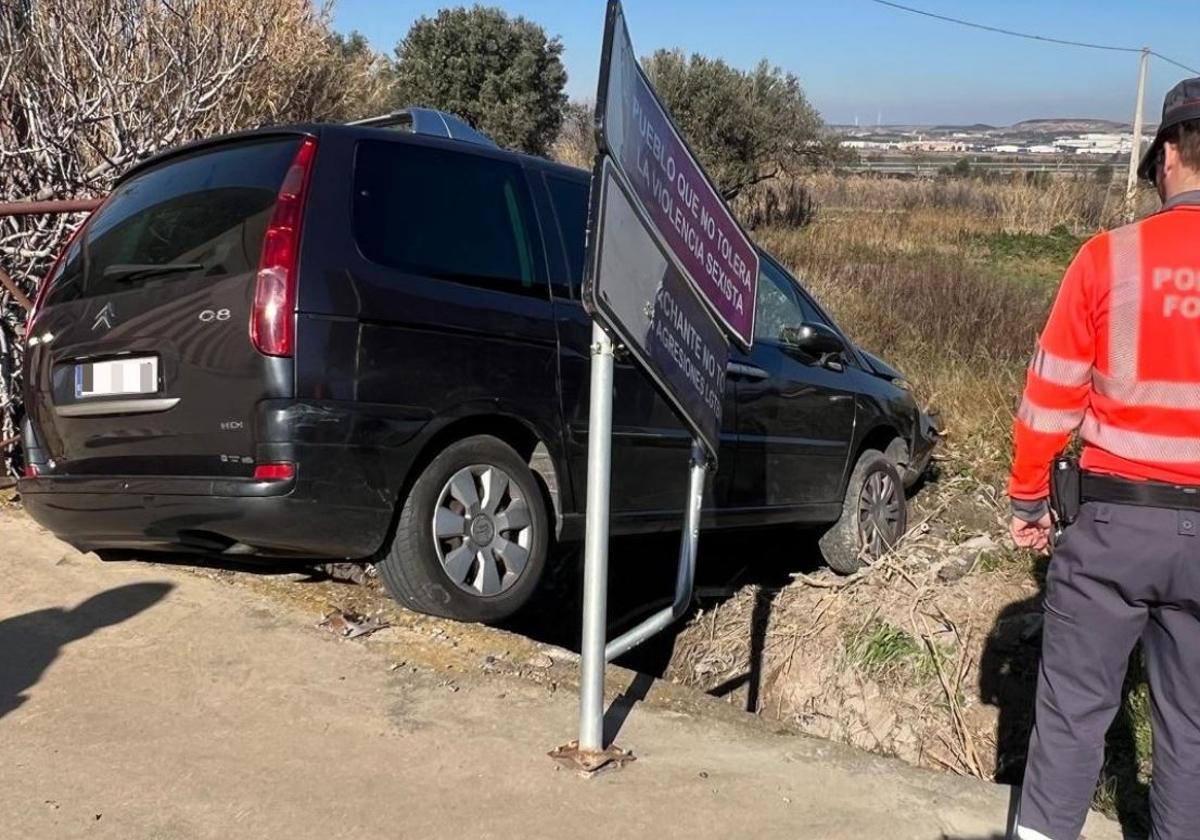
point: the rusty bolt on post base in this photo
(588, 762)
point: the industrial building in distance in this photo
(1058, 144)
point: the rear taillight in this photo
(31, 471)
(274, 472)
(273, 320)
(49, 279)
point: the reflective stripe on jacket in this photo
(1120, 359)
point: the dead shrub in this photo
(88, 87)
(777, 203)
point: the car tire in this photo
(472, 537)
(874, 515)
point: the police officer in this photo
(1119, 361)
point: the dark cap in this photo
(1182, 103)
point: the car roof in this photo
(365, 131)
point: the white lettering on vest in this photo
(1174, 280)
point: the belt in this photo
(1123, 491)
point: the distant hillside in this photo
(1059, 125)
(1071, 126)
(976, 127)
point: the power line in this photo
(1029, 36)
(1176, 63)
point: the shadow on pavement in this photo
(619, 711)
(29, 643)
(641, 581)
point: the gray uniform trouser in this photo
(1119, 574)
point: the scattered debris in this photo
(350, 625)
(362, 574)
(540, 661)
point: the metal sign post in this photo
(595, 548)
(672, 276)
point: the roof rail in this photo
(430, 122)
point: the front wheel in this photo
(874, 515)
(472, 537)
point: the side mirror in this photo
(814, 339)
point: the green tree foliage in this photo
(502, 75)
(747, 127)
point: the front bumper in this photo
(926, 434)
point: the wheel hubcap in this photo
(483, 530)
(879, 506)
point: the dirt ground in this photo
(931, 657)
(149, 700)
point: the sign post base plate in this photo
(590, 762)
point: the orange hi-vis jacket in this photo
(1120, 359)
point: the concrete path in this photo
(146, 701)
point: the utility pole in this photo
(1135, 151)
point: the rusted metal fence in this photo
(33, 208)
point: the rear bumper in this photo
(350, 467)
(304, 517)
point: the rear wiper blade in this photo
(128, 272)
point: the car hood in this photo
(879, 367)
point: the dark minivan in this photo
(342, 341)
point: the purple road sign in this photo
(708, 244)
(635, 289)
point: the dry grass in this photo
(1031, 203)
(950, 280)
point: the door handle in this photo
(745, 371)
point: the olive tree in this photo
(746, 127)
(502, 75)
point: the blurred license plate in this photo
(117, 377)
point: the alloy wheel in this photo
(879, 510)
(483, 530)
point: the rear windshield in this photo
(202, 216)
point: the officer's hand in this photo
(1032, 535)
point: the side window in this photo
(777, 307)
(440, 213)
(570, 199)
(812, 315)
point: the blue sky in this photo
(857, 58)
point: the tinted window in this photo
(445, 214)
(200, 216)
(570, 199)
(777, 306)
